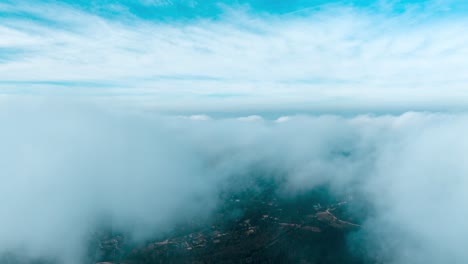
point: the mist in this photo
(68, 168)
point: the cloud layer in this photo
(66, 168)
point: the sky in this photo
(246, 55)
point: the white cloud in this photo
(250, 118)
(283, 119)
(199, 117)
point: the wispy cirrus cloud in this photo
(321, 54)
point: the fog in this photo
(67, 168)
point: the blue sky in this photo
(241, 54)
(190, 9)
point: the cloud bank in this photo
(65, 169)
